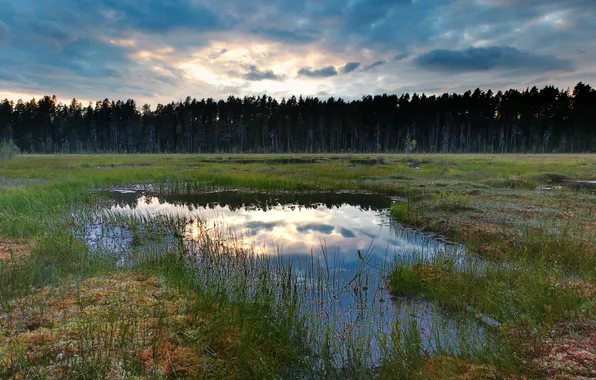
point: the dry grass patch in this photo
(581, 288)
(13, 249)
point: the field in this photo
(69, 311)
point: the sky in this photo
(161, 51)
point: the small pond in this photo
(346, 236)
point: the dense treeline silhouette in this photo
(546, 120)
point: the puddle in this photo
(376, 161)
(548, 188)
(586, 181)
(339, 235)
(581, 184)
(289, 224)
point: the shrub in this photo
(450, 201)
(8, 150)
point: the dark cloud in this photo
(374, 65)
(12, 77)
(325, 229)
(168, 74)
(55, 33)
(285, 35)
(346, 233)
(384, 25)
(4, 32)
(255, 227)
(487, 58)
(349, 67)
(160, 16)
(90, 57)
(401, 57)
(254, 74)
(52, 30)
(325, 72)
(267, 226)
(6, 76)
(53, 53)
(367, 233)
(218, 54)
(86, 62)
(368, 12)
(569, 4)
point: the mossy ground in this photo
(126, 325)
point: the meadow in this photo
(217, 310)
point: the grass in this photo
(67, 310)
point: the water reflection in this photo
(256, 200)
(344, 239)
(292, 225)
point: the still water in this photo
(345, 236)
(291, 225)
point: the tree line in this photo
(531, 121)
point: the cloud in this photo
(325, 229)
(4, 32)
(346, 233)
(254, 227)
(160, 16)
(218, 53)
(254, 74)
(349, 67)
(12, 77)
(368, 12)
(488, 58)
(374, 65)
(64, 46)
(54, 31)
(6, 76)
(90, 58)
(85, 63)
(287, 36)
(325, 72)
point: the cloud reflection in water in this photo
(293, 230)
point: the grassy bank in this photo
(72, 313)
(157, 318)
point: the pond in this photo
(347, 241)
(291, 225)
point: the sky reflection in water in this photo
(342, 225)
(326, 230)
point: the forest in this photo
(547, 120)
